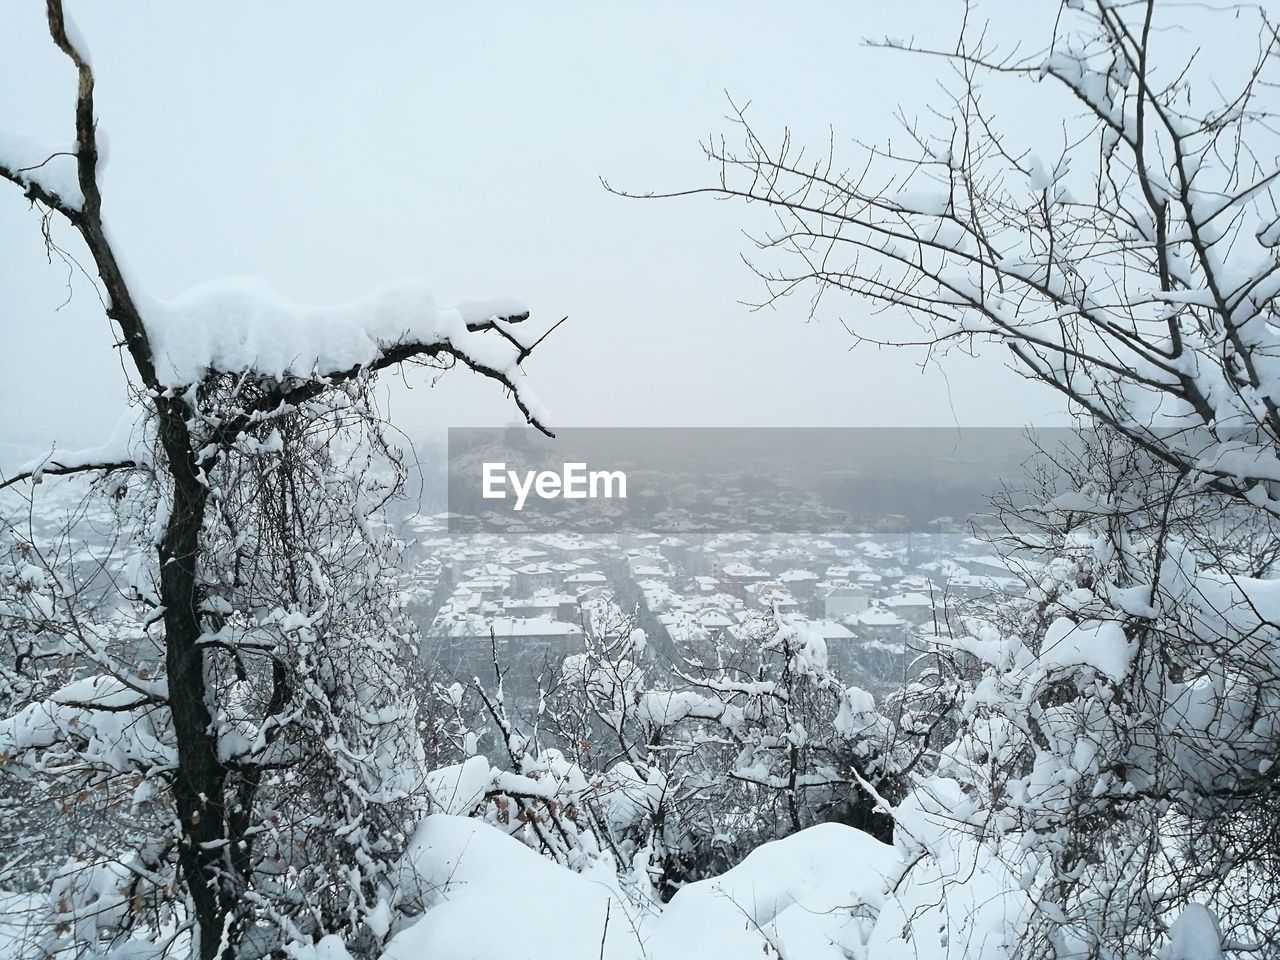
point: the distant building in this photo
(675, 550)
(532, 577)
(972, 587)
(914, 608)
(647, 566)
(878, 625)
(584, 581)
(801, 583)
(714, 622)
(544, 603)
(987, 566)
(526, 647)
(841, 602)
(705, 586)
(773, 595)
(702, 562)
(738, 576)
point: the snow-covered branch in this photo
(1137, 271)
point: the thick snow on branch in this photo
(125, 447)
(1098, 644)
(41, 168)
(1193, 936)
(75, 39)
(121, 727)
(243, 325)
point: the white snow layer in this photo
(461, 870)
(243, 324)
(129, 441)
(459, 788)
(52, 167)
(1100, 644)
(1193, 936)
(116, 725)
(816, 891)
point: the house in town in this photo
(801, 583)
(878, 625)
(543, 603)
(914, 608)
(737, 576)
(845, 601)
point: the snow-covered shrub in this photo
(1119, 740)
(85, 744)
(254, 591)
(675, 773)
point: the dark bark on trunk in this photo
(199, 781)
(214, 850)
(200, 778)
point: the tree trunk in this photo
(200, 778)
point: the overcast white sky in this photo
(330, 148)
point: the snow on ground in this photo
(830, 892)
(811, 896)
(814, 896)
(466, 874)
(955, 899)
(457, 789)
(826, 893)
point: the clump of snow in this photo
(1099, 644)
(816, 893)
(464, 874)
(665, 708)
(929, 203)
(1193, 936)
(857, 712)
(805, 646)
(626, 795)
(129, 441)
(51, 167)
(243, 324)
(638, 640)
(457, 789)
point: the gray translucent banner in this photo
(674, 481)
